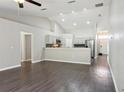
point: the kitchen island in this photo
(69, 55)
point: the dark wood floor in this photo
(58, 77)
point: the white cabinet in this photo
(67, 40)
(50, 39)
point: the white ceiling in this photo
(54, 7)
(81, 18)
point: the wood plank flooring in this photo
(58, 77)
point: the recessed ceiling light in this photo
(74, 24)
(63, 19)
(88, 22)
(73, 12)
(61, 14)
(85, 9)
(20, 1)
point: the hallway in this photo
(58, 76)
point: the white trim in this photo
(115, 84)
(11, 67)
(64, 61)
(36, 61)
(96, 57)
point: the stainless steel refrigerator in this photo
(91, 44)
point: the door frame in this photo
(22, 41)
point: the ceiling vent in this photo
(99, 15)
(72, 1)
(99, 5)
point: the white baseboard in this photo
(11, 67)
(115, 84)
(36, 61)
(26, 60)
(67, 61)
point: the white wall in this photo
(10, 33)
(58, 29)
(117, 42)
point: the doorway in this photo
(26, 47)
(103, 42)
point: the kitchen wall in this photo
(84, 33)
(117, 42)
(80, 35)
(67, 40)
(10, 34)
